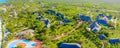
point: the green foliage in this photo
(19, 47)
(27, 20)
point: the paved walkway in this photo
(63, 34)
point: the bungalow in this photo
(27, 32)
(114, 21)
(6, 34)
(51, 12)
(47, 22)
(6, 31)
(95, 27)
(97, 10)
(69, 45)
(103, 22)
(102, 19)
(109, 17)
(85, 18)
(4, 10)
(8, 5)
(99, 16)
(113, 41)
(63, 17)
(105, 18)
(60, 15)
(66, 21)
(39, 17)
(102, 36)
(35, 13)
(13, 13)
(61, 22)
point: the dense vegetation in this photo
(26, 19)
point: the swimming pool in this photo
(29, 44)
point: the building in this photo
(60, 15)
(85, 18)
(69, 45)
(95, 27)
(61, 22)
(66, 21)
(102, 36)
(103, 22)
(105, 18)
(102, 19)
(99, 16)
(40, 16)
(109, 17)
(47, 22)
(4, 10)
(14, 13)
(26, 32)
(114, 40)
(51, 12)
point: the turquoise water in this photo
(28, 43)
(2, 1)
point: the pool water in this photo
(28, 43)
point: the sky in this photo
(94, 1)
(111, 1)
(1, 1)
(107, 1)
(114, 1)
